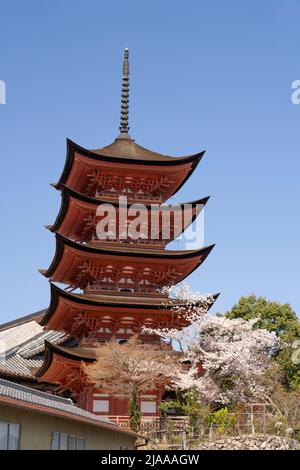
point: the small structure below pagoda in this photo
(113, 286)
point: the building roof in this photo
(25, 397)
(73, 354)
(65, 306)
(12, 338)
(58, 359)
(81, 353)
(27, 339)
(24, 319)
(128, 153)
(117, 300)
(21, 341)
(67, 251)
(18, 366)
(37, 344)
(125, 147)
(90, 204)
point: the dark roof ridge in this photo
(21, 320)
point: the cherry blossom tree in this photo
(227, 357)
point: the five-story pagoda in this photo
(113, 284)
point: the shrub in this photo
(224, 420)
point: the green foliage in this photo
(223, 419)
(134, 412)
(176, 405)
(186, 403)
(192, 407)
(170, 405)
(271, 315)
(291, 371)
(276, 317)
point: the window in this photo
(63, 441)
(76, 443)
(9, 436)
(101, 406)
(148, 406)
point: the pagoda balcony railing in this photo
(153, 423)
(124, 290)
(101, 337)
(135, 244)
(131, 196)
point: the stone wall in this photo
(256, 442)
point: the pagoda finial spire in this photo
(124, 127)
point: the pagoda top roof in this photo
(126, 148)
(131, 156)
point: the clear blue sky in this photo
(212, 75)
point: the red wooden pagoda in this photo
(113, 287)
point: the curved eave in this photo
(51, 350)
(47, 360)
(65, 200)
(61, 242)
(57, 293)
(68, 193)
(171, 161)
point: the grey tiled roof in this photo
(19, 358)
(17, 365)
(36, 397)
(37, 344)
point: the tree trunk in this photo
(134, 411)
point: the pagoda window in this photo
(126, 280)
(127, 331)
(148, 407)
(104, 330)
(101, 406)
